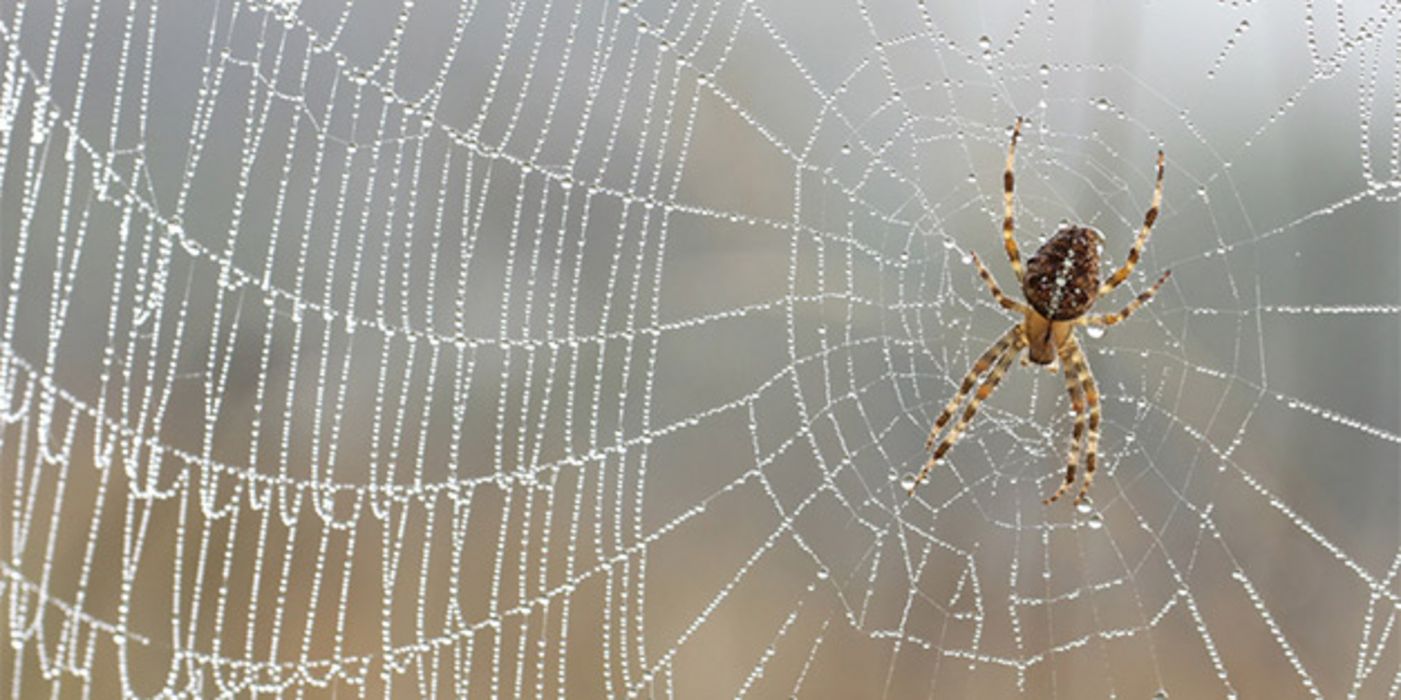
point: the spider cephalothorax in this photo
(1060, 283)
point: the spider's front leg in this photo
(1136, 251)
(1008, 185)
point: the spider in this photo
(1060, 283)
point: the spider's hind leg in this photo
(1008, 353)
(1077, 403)
(1087, 383)
(969, 380)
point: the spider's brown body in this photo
(1061, 284)
(1062, 278)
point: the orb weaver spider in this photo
(1060, 284)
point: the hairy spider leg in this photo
(1087, 384)
(1140, 300)
(1008, 180)
(1142, 240)
(997, 293)
(984, 391)
(983, 363)
(1077, 403)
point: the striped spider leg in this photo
(1003, 351)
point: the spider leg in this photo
(989, 356)
(1007, 302)
(1077, 403)
(984, 390)
(1091, 398)
(1140, 300)
(1137, 250)
(1007, 184)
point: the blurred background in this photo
(542, 348)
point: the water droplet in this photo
(1102, 104)
(823, 574)
(1095, 522)
(1044, 69)
(846, 149)
(1094, 331)
(984, 42)
(1084, 506)
(907, 482)
(1160, 695)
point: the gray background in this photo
(539, 348)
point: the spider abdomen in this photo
(1062, 278)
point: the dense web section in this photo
(539, 347)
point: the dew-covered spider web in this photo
(519, 349)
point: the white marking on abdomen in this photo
(1067, 266)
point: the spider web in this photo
(533, 348)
